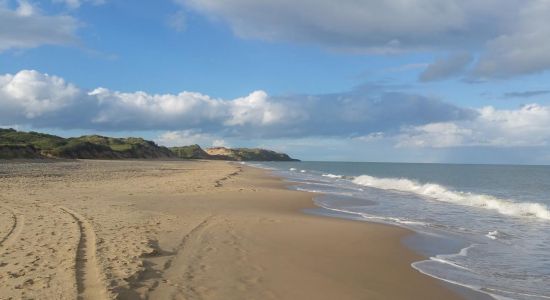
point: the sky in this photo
(428, 81)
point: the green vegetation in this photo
(247, 154)
(18, 151)
(190, 152)
(38, 140)
(18, 144)
(254, 154)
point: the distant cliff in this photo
(247, 154)
(222, 153)
(19, 144)
(190, 152)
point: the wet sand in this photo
(187, 230)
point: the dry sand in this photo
(187, 230)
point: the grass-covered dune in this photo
(190, 152)
(18, 151)
(247, 154)
(19, 144)
(235, 154)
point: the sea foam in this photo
(440, 193)
(333, 176)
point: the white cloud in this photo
(434, 135)
(25, 9)
(33, 99)
(512, 36)
(189, 137)
(220, 143)
(185, 108)
(30, 96)
(26, 27)
(33, 94)
(42, 100)
(523, 127)
(257, 109)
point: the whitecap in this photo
(332, 176)
(440, 193)
(494, 235)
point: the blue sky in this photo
(421, 81)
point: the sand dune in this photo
(186, 230)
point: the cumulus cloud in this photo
(189, 137)
(370, 114)
(523, 127)
(25, 27)
(31, 94)
(512, 36)
(447, 67)
(37, 99)
(42, 100)
(140, 109)
(434, 135)
(256, 108)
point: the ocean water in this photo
(484, 227)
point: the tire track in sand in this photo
(176, 276)
(88, 277)
(14, 231)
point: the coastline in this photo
(191, 230)
(420, 243)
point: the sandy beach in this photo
(187, 230)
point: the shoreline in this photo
(198, 229)
(411, 240)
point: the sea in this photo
(483, 227)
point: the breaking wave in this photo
(440, 193)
